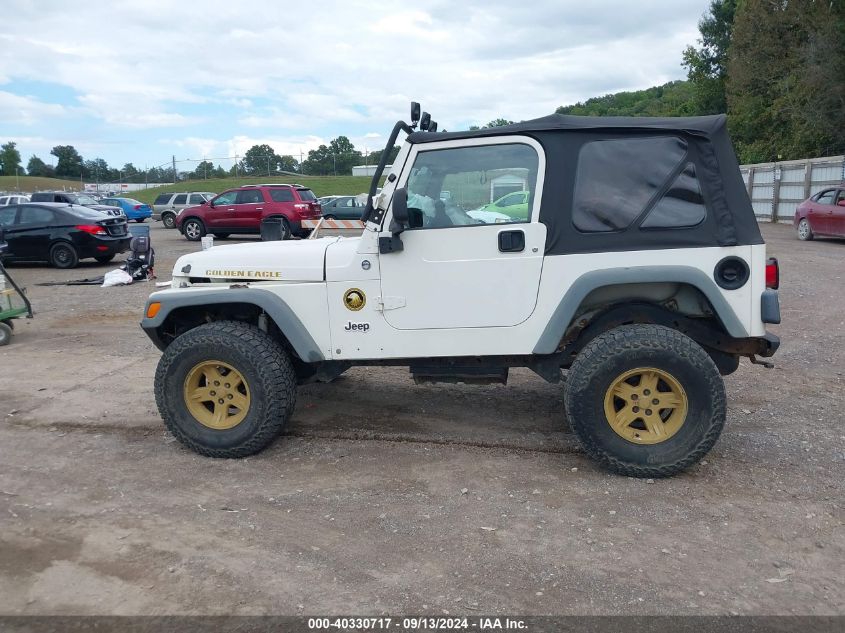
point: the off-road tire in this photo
(632, 346)
(104, 259)
(5, 334)
(265, 366)
(63, 255)
(193, 236)
(805, 233)
(168, 220)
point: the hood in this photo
(290, 260)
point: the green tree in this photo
(259, 160)
(375, 157)
(37, 167)
(785, 92)
(338, 157)
(288, 163)
(69, 163)
(500, 122)
(707, 65)
(10, 159)
(204, 169)
(97, 169)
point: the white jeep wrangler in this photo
(637, 265)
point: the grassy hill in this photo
(320, 185)
(36, 183)
(675, 98)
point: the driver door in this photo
(455, 270)
(218, 211)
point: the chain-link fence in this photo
(776, 189)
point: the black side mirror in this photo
(425, 121)
(415, 113)
(400, 211)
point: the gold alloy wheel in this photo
(216, 394)
(646, 405)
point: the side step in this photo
(469, 374)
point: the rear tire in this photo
(329, 217)
(168, 220)
(5, 334)
(263, 373)
(286, 230)
(193, 229)
(63, 255)
(140, 220)
(632, 428)
(805, 232)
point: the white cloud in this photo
(258, 69)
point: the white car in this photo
(640, 270)
(14, 199)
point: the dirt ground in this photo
(360, 509)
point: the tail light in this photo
(772, 273)
(91, 229)
(137, 207)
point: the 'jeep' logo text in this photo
(357, 327)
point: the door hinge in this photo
(389, 303)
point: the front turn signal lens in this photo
(152, 309)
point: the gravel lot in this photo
(361, 507)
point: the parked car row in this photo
(168, 205)
(13, 199)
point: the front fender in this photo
(273, 305)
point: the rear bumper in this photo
(769, 344)
(101, 246)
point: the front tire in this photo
(225, 389)
(805, 233)
(645, 400)
(63, 255)
(168, 220)
(193, 229)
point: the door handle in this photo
(511, 241)
(259, 208)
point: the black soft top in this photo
(706, 126)
(730, 219)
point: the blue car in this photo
(131, 208)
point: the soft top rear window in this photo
(306, 194)
(616, 179)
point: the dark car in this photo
(62, 234)
(242, 210)
(822, 214)
(68, 197)
(342, 207)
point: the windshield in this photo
(84, 199)
(132, 201)
(306, 194)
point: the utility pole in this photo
(237, 158)
(301, 170)
(173, 157)
(334, 158)
(268, 165)
(17, 180)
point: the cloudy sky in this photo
(141, 80)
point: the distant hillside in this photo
(29, 184)
(673, 99)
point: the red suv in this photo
(243, 209)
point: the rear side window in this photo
(283, 195)
(163, 199)
(616, 179)
(180, 199)
(250, 196)
(42, 197)
(196, 198)
(36, 215)
(306, 194)
(681, 206)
